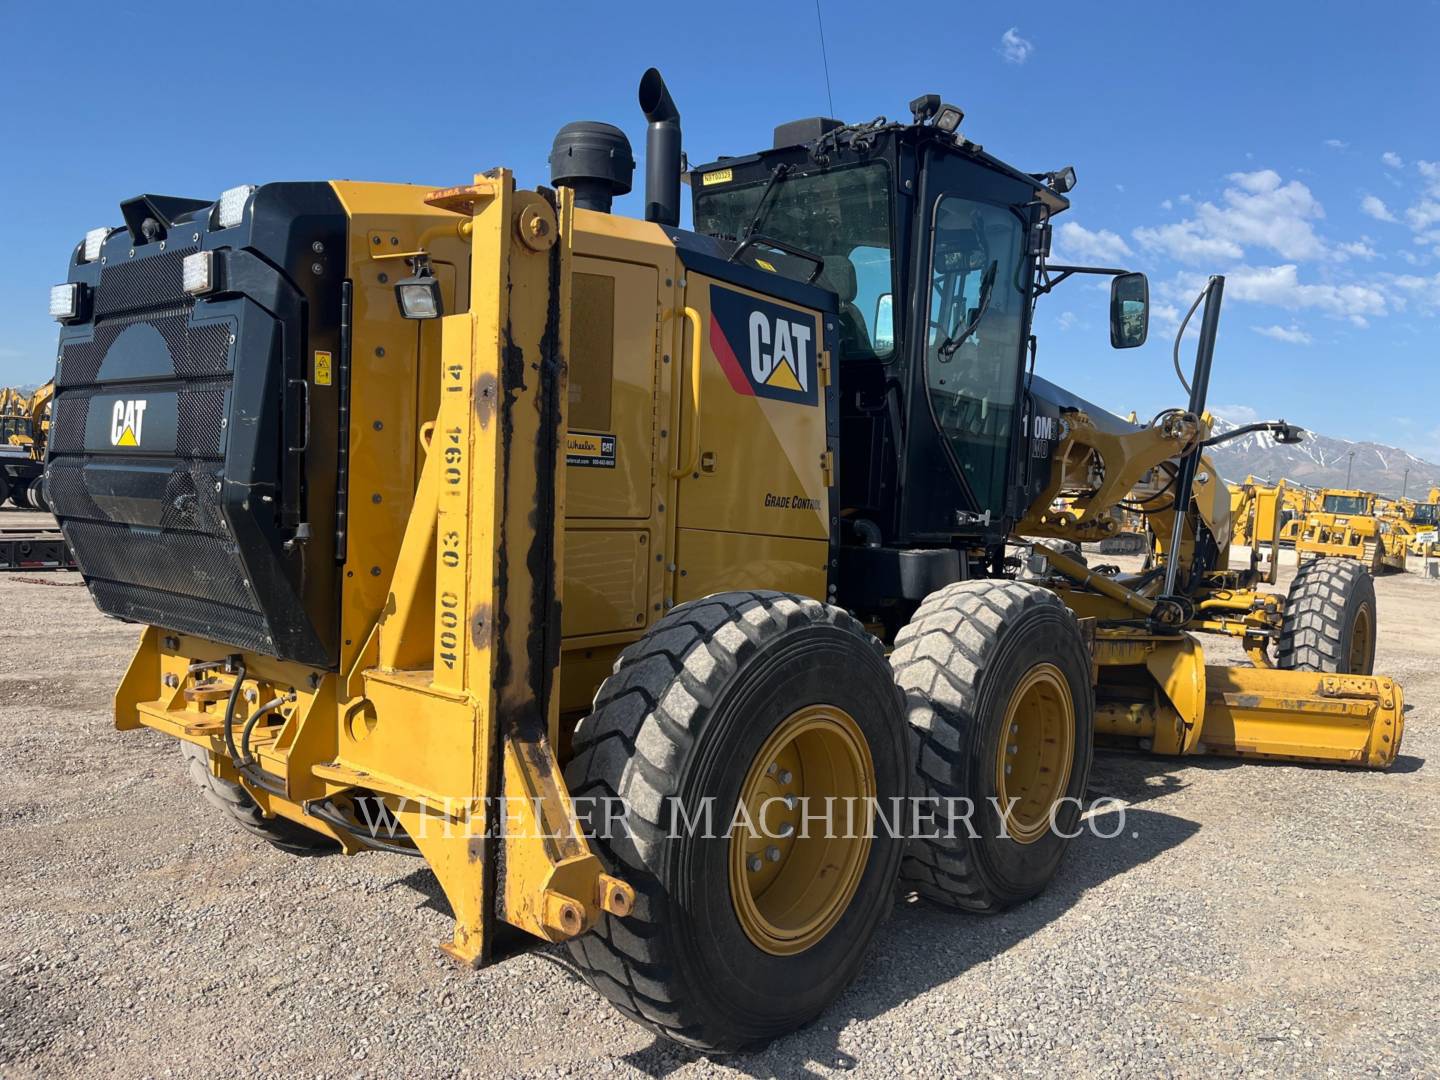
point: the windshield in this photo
(977, 314)
(1344, 504)
(842, 216)
(15, 427)
(1427, 514)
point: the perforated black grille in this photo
(198, 430)
(185, 564)
(139, 284)
(190, 501)
(65, 488)
(69, 415)
(243, 629)
(195, 351)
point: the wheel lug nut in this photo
(786, 831)
(772, 853)
(785, 776)
(1014, 729)
(754, 863)
(790, 802)
(771, 769)
(1012, 748)
(1007, 770)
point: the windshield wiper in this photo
(952, 344)
(781, 171)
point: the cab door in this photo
(972, 301)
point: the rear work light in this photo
(64, 301)
(197, 272)
(94, 241)
(419, 296)
(230, 209)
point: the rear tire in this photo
(993, 672)
(235, 801)
(1329, 620)
(693, 712)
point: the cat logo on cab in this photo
(765, 349)
(126, 420)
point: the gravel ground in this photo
(1249, 918)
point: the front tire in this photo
(1329, 620)
(1001, 708)
(740, 699)
(234, 801)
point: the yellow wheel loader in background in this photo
(1349, 524)
(565, 551)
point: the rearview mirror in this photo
(1129, 310)
(884, 334)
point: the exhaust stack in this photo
(662, 150)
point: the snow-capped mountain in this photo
(1320, 461)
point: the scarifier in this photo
(454, 516)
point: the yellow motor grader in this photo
(636, 578)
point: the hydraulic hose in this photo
(246, 758)
(230, 703)
(248, 770)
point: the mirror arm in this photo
(1065, 271)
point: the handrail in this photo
(692, 428)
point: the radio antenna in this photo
(824, 59)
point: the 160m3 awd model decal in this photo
(766, 350)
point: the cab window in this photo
(841, 216)
(978, 298)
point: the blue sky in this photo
(1293, 147)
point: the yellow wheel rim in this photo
(1037, 746)
(1360, 643)
(794, 874)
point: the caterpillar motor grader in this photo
(457, 518)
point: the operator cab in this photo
(936, 253)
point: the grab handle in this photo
(692, 426)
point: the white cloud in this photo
(1358, 249)
(1079, 244)
(1337, 144)
(1168, 314)
(1065, 320)
(1291, 335)
(1188, 242)
(1392, 160)
(1167, 205)
(1014, 48)
(1431, 171)
(1423, 214)
(1406, 289)
(1236, 414)
(1281, 286)
(1259, 210)
(1375, 207)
